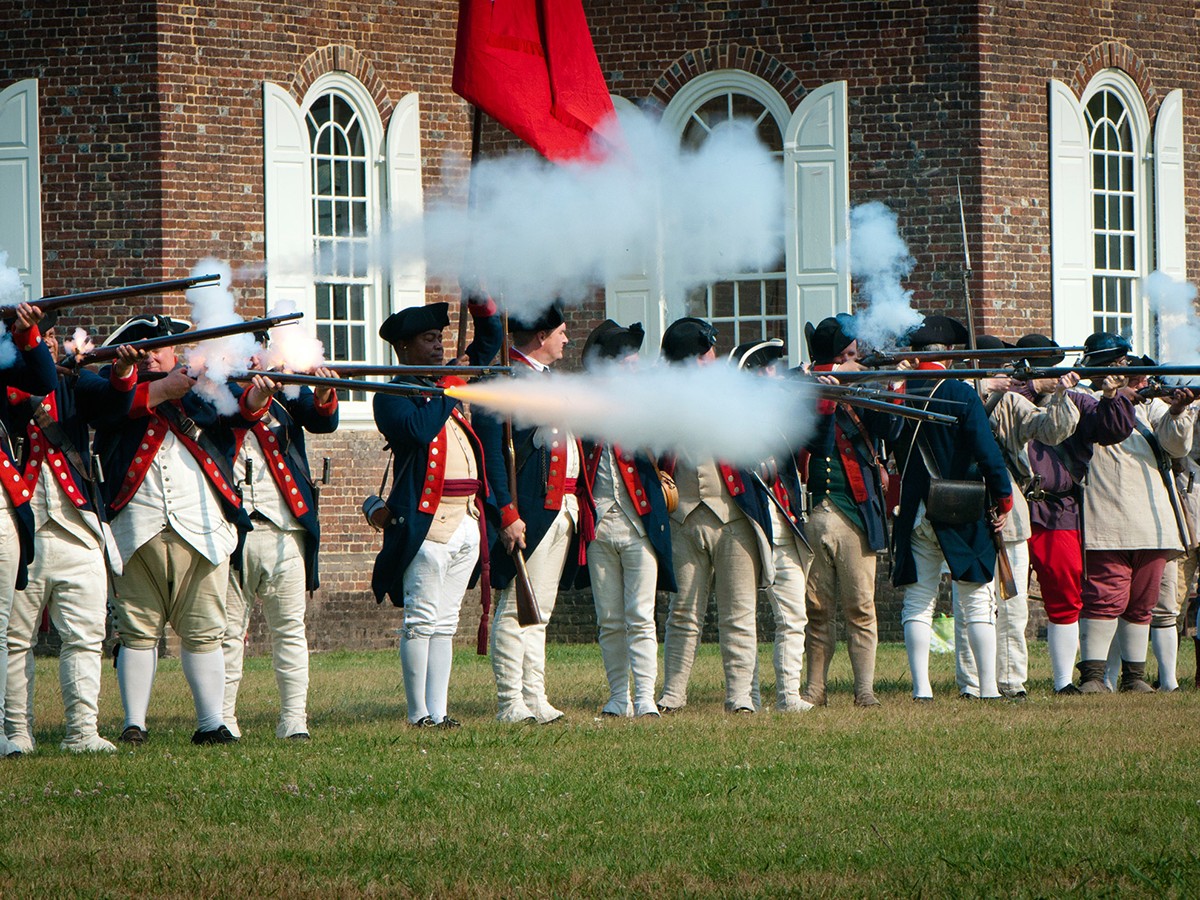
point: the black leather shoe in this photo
(448, 723)
(667, 710)
(965, 696)
(922, 699)
(300, 736)
(221, 735)
(1069, 691)
(423, 722)
(1018, 697)
(134, 735)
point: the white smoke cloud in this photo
(878, 259)
(215, 361)
(536, 230)
(1174, 305)
(701, 412)
(12, 292)
(291, 348)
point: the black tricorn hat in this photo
(1036, 341)
(830, 337)
(937, 330)
(688, 338)
(139, 328)
(991, 342)
(609, 340)
(1104, 348)
(757, 354)
(407, 323)
(549, 319)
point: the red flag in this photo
(531, 66)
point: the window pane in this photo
(697, 302)
(776, 302)
(323, 301)
(358, 344)
(723, 300)
(356, 303)
(1101, 253)
(340, 342)
(749, 295)
(323, 337)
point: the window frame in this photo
(1123, 87)
(377, 306)
(675, 120)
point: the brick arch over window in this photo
(340, 58)
(728, 56)
(1111, 55)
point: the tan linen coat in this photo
(1126, 504)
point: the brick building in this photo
(137, 138)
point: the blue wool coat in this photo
(656, 522)
(292, 419)
(533, 464)
(881, 427)
(410, 424)
(964, 450)
(33, 372)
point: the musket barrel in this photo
(104, 354)
(46, 304)
(364, 370)
(1000, 353)
(346, 384)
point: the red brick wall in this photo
(1023, 46)
(152, 149)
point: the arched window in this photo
(1117, 219)
(752, 304)
(341, 201)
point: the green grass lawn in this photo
(1095, 796)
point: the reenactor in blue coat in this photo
(31, 369)
(175, 508)
(68, 573)
(963, 451)
(845, 476)
(552, 499)
(279, 559)
(433, 525)
(629, 559)
(721, 533)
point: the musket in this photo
(878, 360)
(104, 354)
(46, 304)
(1004, 571)
(895, 409)
(364, 370)
(1019, 372)
(345, 384)
(834, 391)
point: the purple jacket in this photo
(1101, 421)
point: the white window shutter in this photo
(1070, 217)
(287, 188)
(21, 184)
(816, 210)
(635, 295)
(1170, 227)
(405, 195)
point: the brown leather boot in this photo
(1091, 676)
(1133, 678)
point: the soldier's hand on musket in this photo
(513, 536)
(1066, 382)
(324, 395)
(1180, 399)
(1112, 384)
(262, 389)
(174, 384)
(1000, 384)
(827, 379)
(27, 316)
(997, 518)
(127, 359)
